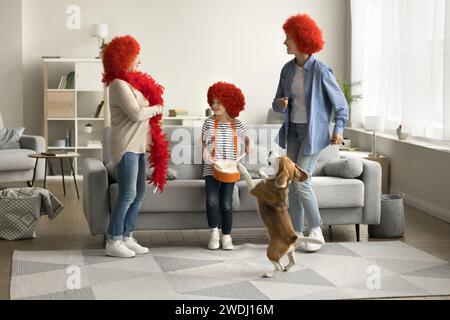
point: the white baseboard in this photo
(423, 205)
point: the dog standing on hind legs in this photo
(271, 194)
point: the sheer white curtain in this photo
(399, 53)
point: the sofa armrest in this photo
(35, 143)
(96, 196)
(371, 177)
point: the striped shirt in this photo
(224, 144)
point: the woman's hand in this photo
(283, 102)
(337, 139)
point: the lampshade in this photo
(375, 123)
(100, 30)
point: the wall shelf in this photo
(69, 110)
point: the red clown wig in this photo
(118, 56)
(305, 33)
(229, 95)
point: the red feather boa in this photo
(159, 147)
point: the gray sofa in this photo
(16, 166)
(182, 204)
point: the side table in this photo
(48, 157)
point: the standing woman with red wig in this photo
(134, 99)
(307, 94)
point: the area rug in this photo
(337, 271)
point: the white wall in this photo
(11, 102)
(186, 45)
(422, 174)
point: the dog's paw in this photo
(267, 275)
(262, 174)
(288, 267)
(241, 168)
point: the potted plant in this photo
(88, 128)
(346, 88)
(401, 134)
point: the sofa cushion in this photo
(10, 138)
(172, 174)
(327, 155)
(263, 137)
(246, 199)
(333, 192)
(345, 168)
(330, 192)
(188, 171)
(178, 196)
(16, 160)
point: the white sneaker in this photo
(131, 244)
(214, 239)
(300, 243)
(118, 249)
(316, 233)
(227, 243)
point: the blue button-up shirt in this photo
(322, 96)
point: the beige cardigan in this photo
(130, 114)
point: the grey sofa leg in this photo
(357, 232)
(30, 183)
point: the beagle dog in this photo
(271, 194)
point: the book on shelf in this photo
(62, 82)
(99, 109)
(56, 152)
(70, 83)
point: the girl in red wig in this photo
(136, 108)
(220, 134)
(308, 95)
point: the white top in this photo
(130, 114)
(298, 113)
(225, 149)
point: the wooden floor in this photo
(70, 231)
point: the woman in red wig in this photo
(136, 108)
(220, 134)
(307, 94)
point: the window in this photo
(400, 55)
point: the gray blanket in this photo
(49, 204)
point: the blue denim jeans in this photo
(302, 200)
(219, 198)
(132, 188)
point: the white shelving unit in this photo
(71, 109)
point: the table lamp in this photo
(374, 124)
(101, 32)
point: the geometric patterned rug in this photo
(350, 270)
